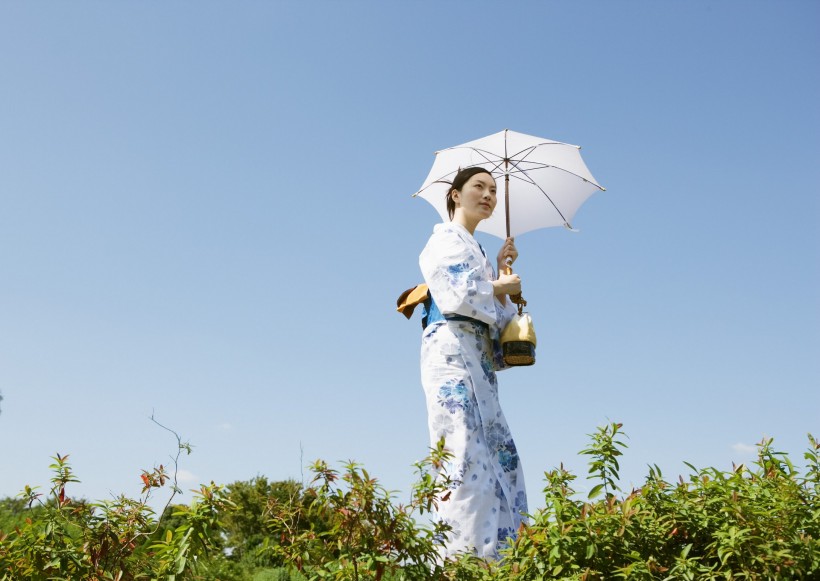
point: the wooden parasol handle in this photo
(517, 299)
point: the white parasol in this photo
(545, 181)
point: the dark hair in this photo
(462, 177)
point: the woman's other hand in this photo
(508, 252)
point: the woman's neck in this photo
(460, 218)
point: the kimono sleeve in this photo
(457, 278)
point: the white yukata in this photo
(458, 363)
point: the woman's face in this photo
(477, 198)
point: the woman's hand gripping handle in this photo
(509, 283)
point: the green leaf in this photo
(590, 551)
(596, 490)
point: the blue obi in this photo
(430, 314)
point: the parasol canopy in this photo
(545, 181)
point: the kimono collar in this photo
(455, 227)
(462, 232)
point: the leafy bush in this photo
(59, 537)
(364, 535)
(758, 522)
(761, 523)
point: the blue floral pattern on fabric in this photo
(505, 533)
(508, 456)
(457, 270)
(488, 368)
(453, 395)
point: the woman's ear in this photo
(454, 195)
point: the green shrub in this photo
(363, 533)
(758, 522)
(59, 537)
(278, 574)
(761, 523)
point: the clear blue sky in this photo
(205, 211)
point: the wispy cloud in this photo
(184, 476)
(224, 427)
(742, 448)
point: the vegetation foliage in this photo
(750, 522)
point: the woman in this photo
(468, 308)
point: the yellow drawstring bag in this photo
(518, 340)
